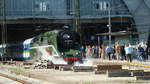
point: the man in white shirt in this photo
(144, 46)
(128, 51)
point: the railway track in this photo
(95, 62)
(134, 71)
(15, 80)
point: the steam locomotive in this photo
(51, 45)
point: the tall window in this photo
(69, 7)
(101, 5)
(43, 6)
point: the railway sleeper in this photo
(142, 77)
(83, 68)
(120, 74)
(125, 73)
(65, 68)
(109, 67)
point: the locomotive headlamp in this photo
(62, 54)
(66, 36)
(77, 53)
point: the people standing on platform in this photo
(148, 52)
(140, 53)
(128, 51)
(99, 51)
(113, 53)
(89, 54)
(103, 53)
(93, 51)
(96, 51)
(123, 54)
(109, 51)
(82, 51)
(118, 51)
(86, 51)
(144, 46)
(1, 56)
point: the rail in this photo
(15, 79)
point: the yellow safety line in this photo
(141, 65)
(130, 64)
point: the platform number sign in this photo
(41, 6)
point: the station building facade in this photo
(93, 16)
